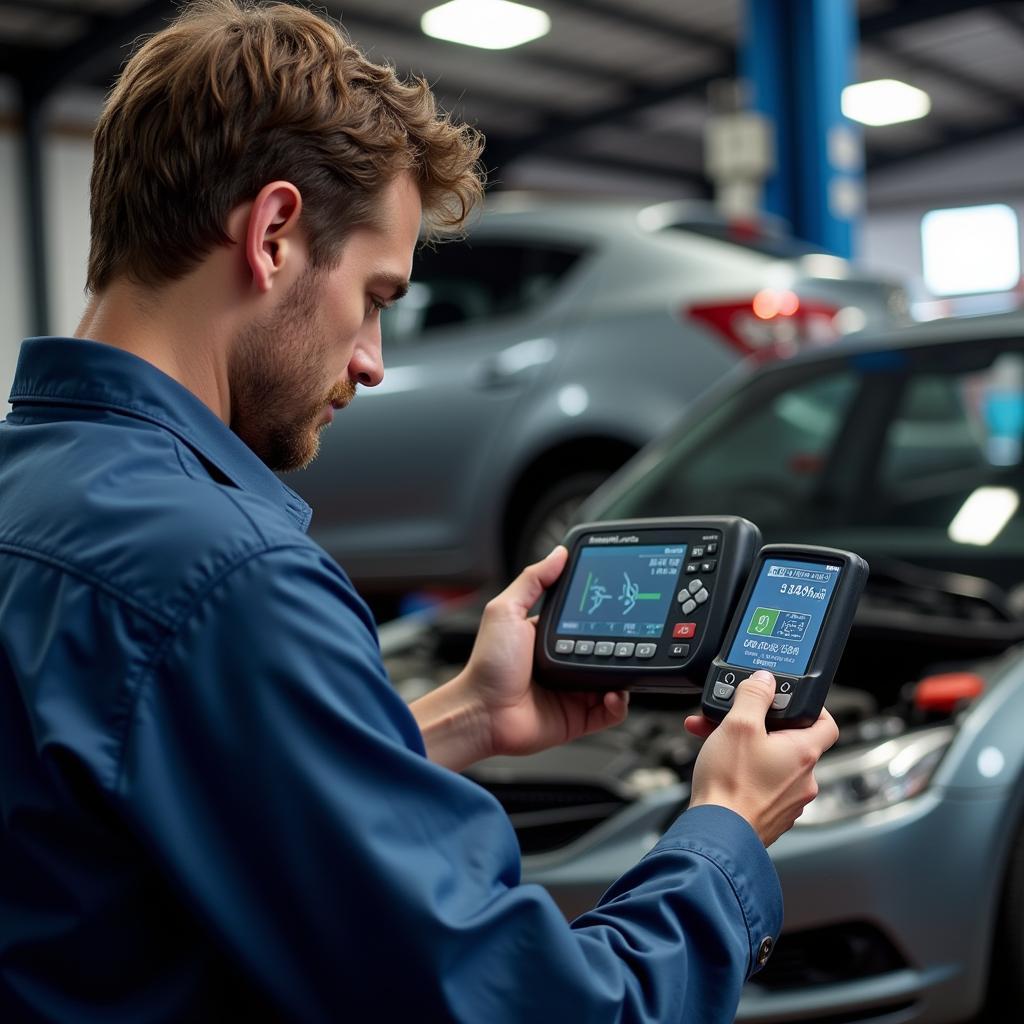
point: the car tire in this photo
(549, 515)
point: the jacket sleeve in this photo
(283, 786)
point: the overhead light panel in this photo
(489, 24)
(884, 101)
(983, 515)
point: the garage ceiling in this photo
(619, 85)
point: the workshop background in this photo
(614, 97)
(756, 257)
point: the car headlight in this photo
(854, 782)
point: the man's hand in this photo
(493, 706)
(766, 777)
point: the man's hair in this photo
(234, 95)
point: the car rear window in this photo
(749, 238)
(458, 283)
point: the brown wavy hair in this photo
(233, 95)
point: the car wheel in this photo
(549, 516)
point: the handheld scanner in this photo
(642, 603)
(793, 619)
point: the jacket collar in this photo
(77, 372)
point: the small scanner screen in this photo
(784, 616)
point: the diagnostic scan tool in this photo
(642, 603)
(793, 619)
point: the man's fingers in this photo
(525, 590)
(699, 726)
(824, 732)
(753, 697)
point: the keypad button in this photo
(624, 650)
(781, 701)
(682, 595)
(688, 605)
(729, 676)
(584, 647)
(604, 648)
(695, 585)
(709, 565)
(700, 597)
(692, 567)
(679, 651)
(712, 548)
(646, 650)
(684, 630)
(697, 552)
(564, 646)
(723, 691)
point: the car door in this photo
(411, 464)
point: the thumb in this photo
(526, 588)
(754, 696)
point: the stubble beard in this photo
(276, 373)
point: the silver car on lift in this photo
(532, 359)
(904, 878)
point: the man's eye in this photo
(377, 305)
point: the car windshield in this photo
(912, 453)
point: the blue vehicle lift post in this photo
(796, 57)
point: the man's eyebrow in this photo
(399, 286)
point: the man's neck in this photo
(176, 329)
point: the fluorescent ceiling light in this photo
(884, 101)
(969, 250)
(983, 515)
(490, 24)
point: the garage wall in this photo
(68, 159)
(13, 316)
(891, 244)
(986, 172)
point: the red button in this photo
(684, 630)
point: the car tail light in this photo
(772, 324)
(947, 691)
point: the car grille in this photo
(827, 956)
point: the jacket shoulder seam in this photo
(58, 562)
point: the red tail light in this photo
(772, 324)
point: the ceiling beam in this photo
(905, 13)
(557, 129)
(58, 7)
(952, 139)
(628, 16)
(106, 36)
(545, 61)
(1010, 99)
(1011, 15)
(901, 15)
(626, 165)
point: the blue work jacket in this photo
(215, 806)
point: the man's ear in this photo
(272, 234)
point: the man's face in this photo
(289, 372)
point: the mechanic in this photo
(215, 805)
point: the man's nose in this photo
(367, 365)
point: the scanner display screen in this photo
(622, 591)
(784, 616)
